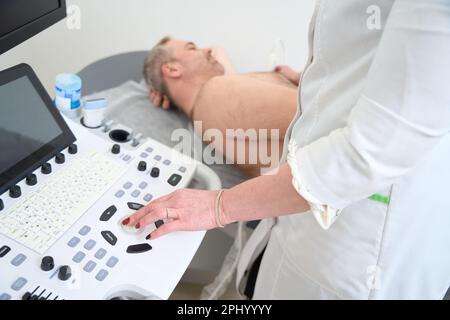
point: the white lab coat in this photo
(375, 119)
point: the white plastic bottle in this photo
(68, 94)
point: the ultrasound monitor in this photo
(31, 129)
(22, 19)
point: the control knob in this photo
(73, 149)
(64, 273)
(15, 192)
(31, 179)
(142, 166)
(60, 158)
(155, 172)
(47, 263)
(46, 168)
(115, 149)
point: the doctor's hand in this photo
(158, 100)
(182, 210)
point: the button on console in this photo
(108, 213)
(174, 179)
(139, 248)
(109, 237)
(135, 206)
(4, 251)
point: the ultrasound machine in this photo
(64, 190)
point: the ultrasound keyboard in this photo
(40, 219)
(62, 238)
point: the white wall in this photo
(247, 29)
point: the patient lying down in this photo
(203, 85)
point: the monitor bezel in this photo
(20, 170)
(25, 32)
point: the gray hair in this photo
(156, 58)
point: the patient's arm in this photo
(289, 73)
(245, 102)
(274, 78)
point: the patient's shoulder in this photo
(216, 92)
(220, 85)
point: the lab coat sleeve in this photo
(402, 113)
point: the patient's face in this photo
(196, 61)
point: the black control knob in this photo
(115, 149)
(15, 192)
(64, 273)
(60, 158)
(47, 263)
(142, 166)
(155, 172)
(46, 168)
(2, 205)
(73, 149)
(31, 179)
(26, 296)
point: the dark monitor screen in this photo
(31, 129)
(28, 125)
(22, 19)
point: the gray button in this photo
(182, 169)
(73, 242)
(126, 158)
(85, 230)
(112, 262)
(101, 275)
(157, 158)
(143, 185)
(144, 155)
(5, 296)
(19, 283)
(90, 244)
(167, 162)
(127, 185)
(149, 149)
(119, 194)
(18, 260)
(78, 257)
(89, 266)
(100, 254)
(148, 197)
(135, 193)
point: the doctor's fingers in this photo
(138, 215)
(165, 229)
(155, 215)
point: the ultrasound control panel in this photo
(61, 235)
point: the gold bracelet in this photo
(217, 209)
